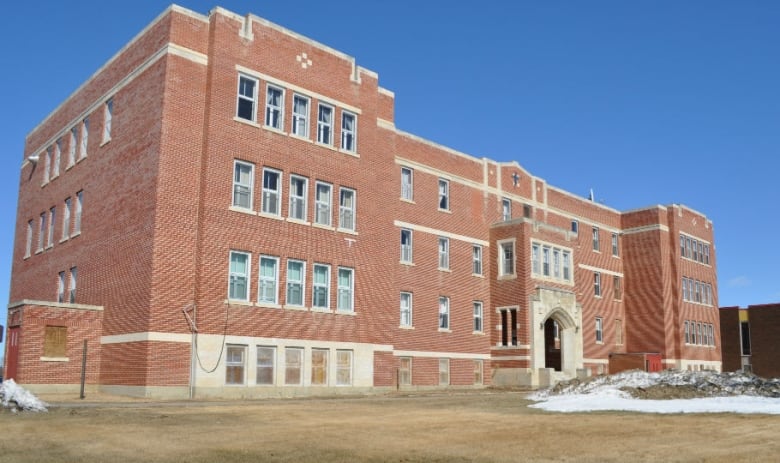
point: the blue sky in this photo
(646, 102)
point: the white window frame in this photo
(291, 284)
(55, 168)
(575, 226)
(444, 313)
(320, 287)
(235, 276)
(325, 127)
(264, 366)
(274, 114)
(506, 209)
(444, 194)
(556, 253)
(298, 202)
(346, 293)
(348, 135)
(597, 284)
(50, 231)
(444, 253)
(596, 240)
(72, 285)
(251, 99)
(476, 259)
(108, 116)
(407, 184)
(536, 259)
(615, 245)
(41, 232)
(344, 368)
(444, 372)
(47, 166)
(296, 354)
(479, 321)
(300, 119)
(28, 243)
(61, 287)
(84, 138)
(72, 146)
(567, 273)
(507, 267)
(66, 219)
(323, 204)
(347, 212)
(239, 185)
(407, 249)
(77, 216)
(264, 282)
(599, 330)
(272, 198)
(231, 362)
(406, 309)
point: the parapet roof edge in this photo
(579, 198)
(646, 208)
(433, 144)
(690, 209)
(166, 12)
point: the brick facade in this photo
(188, 207)
(750, 339)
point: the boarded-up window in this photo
(405, 371)
(478, 372)
(319, 367)
(444, 372)
(343, 367)
(55, 341)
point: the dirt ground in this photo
(474, 426)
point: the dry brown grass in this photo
(480, 426)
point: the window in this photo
(243, 177)
(506, 209)
(535, 262)
(272, 191)
(444, 313)
(699, 334)
(77, 217)
(566, 265)
(405, 371)
(597, 284)
(596, 245)
(28, 244)
(444, 253)
(477, 372)
(615, 248)
(66, 219)
(320, 286)
(693, 332)
(322, 204)
(507, 258)
(407, 189)
(319, 367)
(444, 194)
(682, 246)
(619, 332)
(269, 280)
(700, 247)
(477, 316)
(476, 257)
(406, 309)
(298, 192)
(55, 168)
(685, 294)
(234, 364)
(712, 335)
(343, 368)
(266, 363)
(238, 288)
(347, 209)
(694, 247)
(108, 115)
(50, 234)
(84, 138)
(406, 246)
(599, 332)
(295, 282)
(274, 107)
(325, 124)
(348, 131)
(687, 333)
(55, 342)
(300, 118)
(556, 263)
(72, 146)
(444, 372)
(617, 287)
(546, 261)
(61, 287)
(528, 211)
(41, 231)
(293, 364)
(47, 166)
(508, 327)
(575, 226)
(247, 97)
(707, 254)
(72, 288)
(687, 247)
(346, 289)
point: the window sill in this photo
(405, 200)
(69, 166)
(54, 176)
(49, 246)
(478, 333)
(300, 308)
(408, 264)
(406, 327)
(597, 296)
(105, 142)
(354, 154)
(275, 130)
(75, 234)
(238, 302)
(55, 359)
(298, 221)
(442, 269)
(242, 210)
(64, 239)
(445, 330)
(301, 137)
(246, 121)
(478, 275)
(26, 256)
(39, 250)
(445, 210)
(347, 231)
(270, 216)
(83, 157)
(351, 313)
(324, 227)
(268, 305)
(321, 310)
(513, 276)
(325, 145)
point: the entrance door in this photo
(552, 345)
(12, 358)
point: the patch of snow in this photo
(16, 398)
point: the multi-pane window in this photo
(477, 372)
(61, 287)
(272, 191)
(274, 107)
(47, 166)
(596, 245)
(50, 234)
(77, 215)
(687, 333)
(506, 265)
(346, 289)
(243, 178)
(55, 168)
(617, 287)
(268, 286)
(66, 219)
(407, 188)
(444, 313)
(325, 124)
(300, 118)
(697, 291)
(41, 231)
(556, 263)
(476, 259)
(343, 368)
(406, 309)
(238, 287)
(405, 371)
(247, 98)
(444, 194)
(691, 248)
(406, 245)
(546, 260)
(28, 244)
(72, 287)
(296, 270)
(108, 116)
(567, 265)
(266, 363)
(72, 146)
(320, 286)
(298, 193)
(84, 138)
(322, 202)
(348, 131)
(597, 284)
(615, 247)
(319, 367)
(599, 330)
(477, 316)
(293, 364)
(506, 209)
(444, 253)
(536, 264)
(444, 372)
(235, 364)
(347, 209)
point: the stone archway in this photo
(550, 307)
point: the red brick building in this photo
(226, 208)
(749, 337)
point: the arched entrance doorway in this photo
(552, 345)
